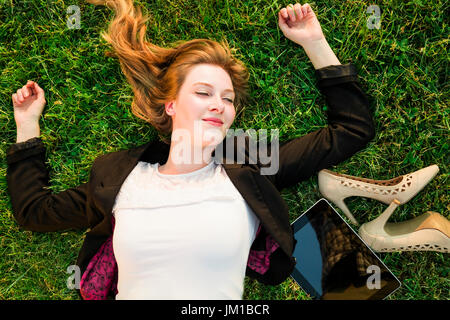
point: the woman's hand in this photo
(28, 103)
(299, 24)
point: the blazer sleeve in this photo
(350, 128)
(36, 208)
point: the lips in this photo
(215, 120)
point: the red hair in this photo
(156, 73)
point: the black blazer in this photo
(89, 205)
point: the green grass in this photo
(403, 67)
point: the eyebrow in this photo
(209, 85)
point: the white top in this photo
(185, 236)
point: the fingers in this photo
(307, 8)
(14, 99)
(290, 10)
(22, 94)
(282, 22)
(19, 96)
(39, 90)
(30, 85)
(298, 11)
(28, 90)
(295, 12)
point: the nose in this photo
(217, 105)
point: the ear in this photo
(169, 107)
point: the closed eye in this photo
(204, 93)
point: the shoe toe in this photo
(425, 175)
(420, 179)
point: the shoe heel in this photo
(341, 204)
(376, 226)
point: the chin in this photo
(216, 132)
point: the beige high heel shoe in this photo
(428, 232)
(336, 187)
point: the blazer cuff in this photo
(21, 150)
(336, 74)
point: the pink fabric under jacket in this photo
(101, 273)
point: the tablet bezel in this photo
(296, 275)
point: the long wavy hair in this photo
(156, 73)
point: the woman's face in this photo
(207, 92)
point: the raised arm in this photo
(350, 126)
(300, 25)
(34, 206)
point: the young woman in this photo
(185, 229)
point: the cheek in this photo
(232, 115)
(192, 109)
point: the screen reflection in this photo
(333, 262)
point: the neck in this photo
(183, 159)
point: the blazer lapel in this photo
(106, 192)
(247, 181)
(241, 176)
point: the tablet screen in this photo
(332, 260)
